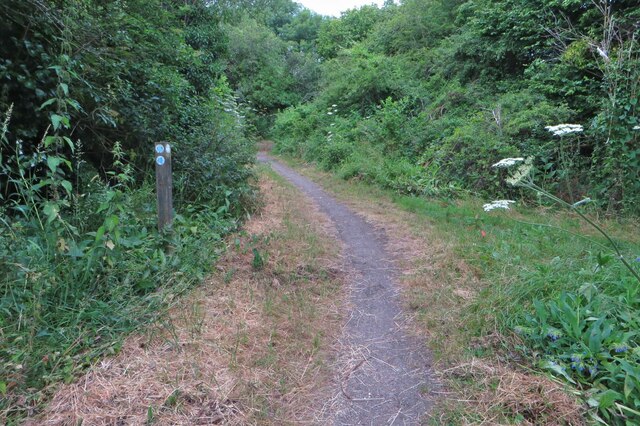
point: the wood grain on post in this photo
(164, 184)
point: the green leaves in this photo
(59, 121)
(598, 352)
(51, 210)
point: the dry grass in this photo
(491, 394)
(251, 346)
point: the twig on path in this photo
(346, 377)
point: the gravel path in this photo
(385, 376)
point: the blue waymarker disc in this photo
(159, 149)
(160, 161)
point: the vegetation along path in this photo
(385, 373)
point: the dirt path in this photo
(385, 376)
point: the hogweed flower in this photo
(564, 129)
(523, 172)
(498, 204)
(507, 162)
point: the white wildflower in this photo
(498, 204)
(564, 129)
(329, 113)
(636, 127)
(334, 105)
(523, 172)
(508, 162)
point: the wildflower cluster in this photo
(564, 129)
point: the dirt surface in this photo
(385, 375)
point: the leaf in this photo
(65, 88)
(47, 103)
(75, 251)
(3, 388)
(53, 163)
(110, 245)
(51, 210)
(67, 186)
(541, 310)
(70, 143)
(629, 385)
(58, 120)
(607, 398)
(556, 368)
(111, 222)
(100, 233)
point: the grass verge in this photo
(250, 346)
(471, 280)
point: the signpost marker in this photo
(164, 184)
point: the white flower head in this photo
(636, 127)
(522, 172)
(565, 129)
(508, 162)
(334, 105)
(498, 204)
(329, 113)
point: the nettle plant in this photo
(590, 336)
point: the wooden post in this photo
(164, 184)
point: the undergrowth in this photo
(82, 264)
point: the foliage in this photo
(86, 88)
(481, 81)
(594, 330)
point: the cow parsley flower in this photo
(498, 204)
(564, 129)
(507, 162)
